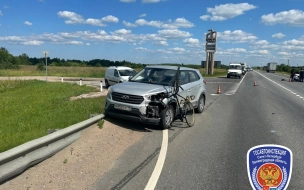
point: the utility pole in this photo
(45, 53)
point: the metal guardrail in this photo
(18, 159)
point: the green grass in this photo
(90, 72)
(100, 123)
(27, 70)
(30, 108)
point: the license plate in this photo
(121, 107)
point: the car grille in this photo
(127, 98)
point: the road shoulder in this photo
(79, 165)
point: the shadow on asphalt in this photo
(132, 125)
(141, 127)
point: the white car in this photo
(144, 97)
(118, 74)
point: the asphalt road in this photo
(212, 153)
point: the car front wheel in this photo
(201, 104)
(166, 117)
(107, 84)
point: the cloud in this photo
(177, 49)
(284, 53)
(141, 48)
(142, 22)
(237, 50)
(173, 34)
(122, 32)
(12, 39)
(74, 18)
(1, 13)
(237, 36)
(88, 44)
(261, 42)
(291, 17)
(177, 23)
(127, 1)
(143, 15)
(73, 43)
(151, 1)
(6, 7)
(261, 52)
(278, 35)
(128, 24)
(110, 18)
(161, 43)
(227, 11)
(294, 42)
(192, 42)
(33, 43)
(28, 23)
(94, 22)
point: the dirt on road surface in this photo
(79, 165)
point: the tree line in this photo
(8, 61)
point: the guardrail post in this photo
(80, 82)
(101, 86)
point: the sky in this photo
(155, 31)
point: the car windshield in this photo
(127, 72)
(155, 76)
(234, 67)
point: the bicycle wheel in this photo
(189, 113)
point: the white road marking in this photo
(281, 86)
(219, 82)
(160, 163)
(233, 91)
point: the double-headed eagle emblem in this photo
(270, 175)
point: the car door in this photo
(116, 77)
(194, 87)
(184, 83)
(110, 77)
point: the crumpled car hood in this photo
(141, 89)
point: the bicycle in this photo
(186, 111)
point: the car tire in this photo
(200, 105)
(228, 76)
(166, 117)
(107, 84)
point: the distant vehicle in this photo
(118, 74)
(271, 67)
(234, 69)
(244, 68)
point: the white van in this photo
(234, 69)
(118, 74)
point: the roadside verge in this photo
(18, 159)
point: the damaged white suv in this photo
(144, 97)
